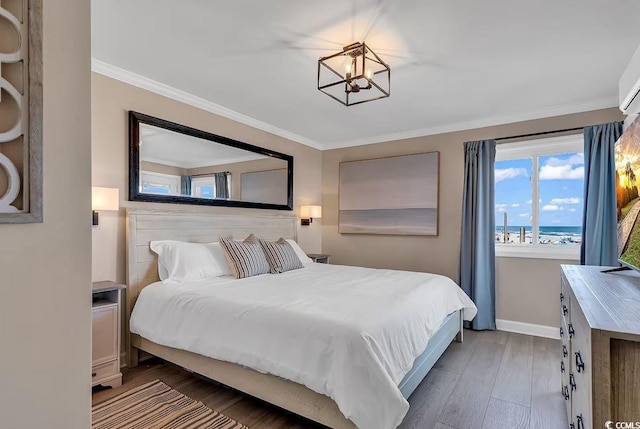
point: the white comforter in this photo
(347, 332)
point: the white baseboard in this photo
(528, 328)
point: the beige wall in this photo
(162, 168)
(45, 307)
(528, 290)
(111, 100)
(535, 279)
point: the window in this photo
(203, 187)
(159, 183)
(539, 198)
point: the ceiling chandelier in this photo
(354, 76)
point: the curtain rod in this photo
(208, 174)
(539, 134)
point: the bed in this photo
(171, 336)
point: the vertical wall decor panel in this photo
(21, 111)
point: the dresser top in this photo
(609, 301)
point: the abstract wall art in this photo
(390, 196)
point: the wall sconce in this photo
(307, 213)
(104, 199)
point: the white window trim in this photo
(533, 149)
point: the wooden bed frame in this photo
(144, 226)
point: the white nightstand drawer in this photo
(103, 371)
(105, 333)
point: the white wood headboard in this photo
(144, 226)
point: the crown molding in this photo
(151, 85)
(567, 109)
(156, 87)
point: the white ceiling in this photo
(454, 64)
(168, 147)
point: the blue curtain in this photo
(185, 185)
(477, 247)
(222, 185)
(599, 221)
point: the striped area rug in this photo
(157, 406)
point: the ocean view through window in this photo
(539, 197)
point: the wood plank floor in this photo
(492, 380)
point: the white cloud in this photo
(556, 168)
(530, 202)
(551, 208)
(571, 200)
(510, 173)
(523, 214)
(555, 221)
(572, 209)
(502, 207)
(576, 159)
(515, 205)
(548, 172)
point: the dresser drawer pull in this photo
(572, 382)
(565, 392)
(580, 422)
(562, 366)
(93, 374)
(561, 332)
(561, 297)
(565, 353)
(579, 362)
(565, 310)
(571, 331)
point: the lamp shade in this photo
(105, 198)
(310, 212)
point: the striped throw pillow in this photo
(280, 255)
(245, 258)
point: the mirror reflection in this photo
(186, 166)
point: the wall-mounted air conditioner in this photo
(630, 86)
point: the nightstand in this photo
(320, 258)
(105, 328)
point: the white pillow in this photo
(300, 253)
(179, 261)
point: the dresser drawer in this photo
(581, 368)
(581, 407)
(565, 362)
(103, 371)
(564, 302)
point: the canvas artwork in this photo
(627, 158)
(391, 196)
(268, 187)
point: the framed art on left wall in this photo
(21, 112)
(396, 195)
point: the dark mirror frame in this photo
(136, 118)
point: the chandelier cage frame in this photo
(360, 54)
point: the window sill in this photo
(571, 252)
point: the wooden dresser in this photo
(600, 336)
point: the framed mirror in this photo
(173, 163)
